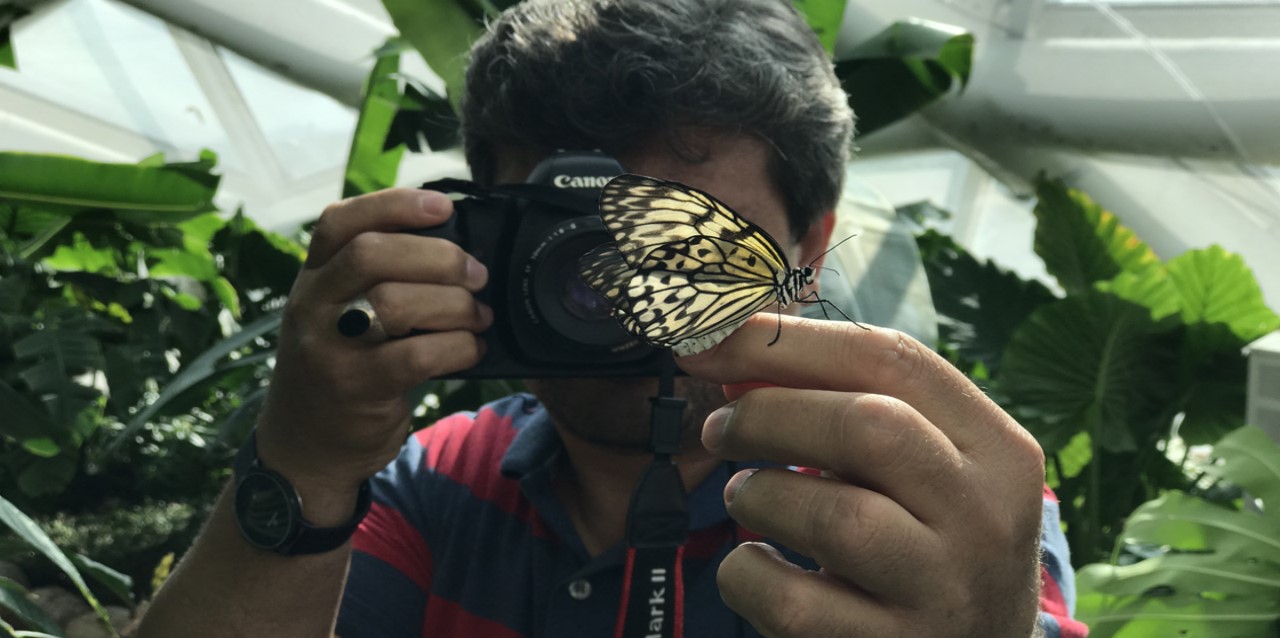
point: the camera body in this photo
(547, 321)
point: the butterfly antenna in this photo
(837, 245)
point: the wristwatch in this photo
(269, 511)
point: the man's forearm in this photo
(225, 587)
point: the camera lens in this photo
(568, 311)
(579, 298)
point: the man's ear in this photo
(813, 246)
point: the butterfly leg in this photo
(778, 335)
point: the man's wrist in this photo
(326, 500)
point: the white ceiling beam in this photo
(325, 45)
(1080, 79)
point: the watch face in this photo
(267, 509)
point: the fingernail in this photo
(486, 315)
(735, 485)
(476, 272)
(433, 203)
(713, 428)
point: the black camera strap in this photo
(652, 603)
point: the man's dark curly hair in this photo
(606, 74)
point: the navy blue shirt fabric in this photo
(466, 538)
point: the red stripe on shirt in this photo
(1052, 603)
(387, 536)
(445, 617)
(469, 451)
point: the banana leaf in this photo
(904, 68)
(9, 14)
(370, 165)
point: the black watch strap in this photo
(318, 540)
(303, 538)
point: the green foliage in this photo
(129, 538)
(9, 13)
(442, 31)
(107, 288)
(1209, 570)
(28, 531)
(977, 323)
(1102, 375)
(370, 166)
(824, 17)
(906, 67)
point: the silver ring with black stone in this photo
(360, 321)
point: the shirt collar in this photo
(532, 454)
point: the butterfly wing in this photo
(685, 270)
(643, 213)
(611, 277)
(698, 291)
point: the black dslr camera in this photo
(547, 321)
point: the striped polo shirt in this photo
(466, 538)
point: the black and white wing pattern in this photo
(684, 270)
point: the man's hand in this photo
(926, 520)
(336, 412)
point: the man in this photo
(926, 519)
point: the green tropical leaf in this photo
(1215, 397)
(1080, 242)
(257, 259)
(117, 583)
(174, 262)
(824, 17)
(1251, 459)
(204, 367)
(442, 31)
(424, 121)
(1088, 361)
(43, 448)
(68, 185)
(13, 596)
(82, 256)
(979, 304)
(226, 293)
(903, 69)
(9, 14)
(1152, 287)
(28, 531)
(1218, 289)
(44, 476)
(370, 166)
(22, 421)
(1217, 573)
(55, 357)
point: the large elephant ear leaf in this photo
(1081, 242)
(1216, 572)
(1090, 362)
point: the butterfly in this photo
(685, 270)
